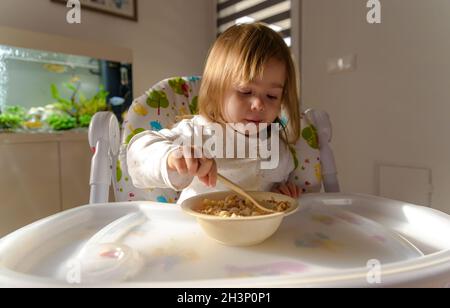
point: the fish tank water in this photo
(48, 91)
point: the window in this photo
(275, 13)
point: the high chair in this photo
(164, 104)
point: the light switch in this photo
(342, 64)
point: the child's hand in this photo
(183, 162)
(288, 189)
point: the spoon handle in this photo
(233, 186)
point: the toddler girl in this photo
(249, 78)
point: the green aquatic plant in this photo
(61, 122)
(79, 107)
(84, 120)
(10, 121)
(15, 110)
(12, 117)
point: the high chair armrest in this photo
(104, 140)
(321, 121)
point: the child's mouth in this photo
(253, 121)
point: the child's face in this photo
(258, 101)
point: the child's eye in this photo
(245, 92)
(272, 97)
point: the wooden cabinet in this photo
(75, 158)
(40, 175)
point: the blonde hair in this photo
(239, 55)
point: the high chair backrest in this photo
(167, 101)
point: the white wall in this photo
(171, 37)
(395, 106)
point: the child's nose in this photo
(257, 104)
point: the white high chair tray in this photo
(333, 240)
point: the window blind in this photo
(275, 13)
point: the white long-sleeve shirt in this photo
(148, 152)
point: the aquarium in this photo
(48, 91)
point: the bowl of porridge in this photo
(232, 220)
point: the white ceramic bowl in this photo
(238, 231)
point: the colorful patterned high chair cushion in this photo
(306, 154)
(161, 107)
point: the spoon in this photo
(238, 189)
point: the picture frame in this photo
(127, 9)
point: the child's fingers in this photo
(284, 189)
(204, 180)
(191, 161)
(173, 157)
(205, 166)
(192, 165)
(180, 166)
(212, 175)
(293, 189)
